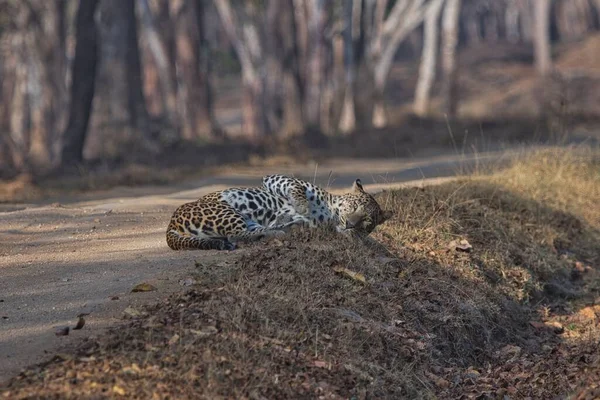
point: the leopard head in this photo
(361, 212)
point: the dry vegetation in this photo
(516, 315)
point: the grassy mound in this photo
(482, 287)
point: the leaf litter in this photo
(276, 322)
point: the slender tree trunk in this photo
(83, 83)
(161, 59)
(403, 18)
(315, 60)
(511, 20)
(249, 51)
(428, 60)
(18, 111)
(45, 35)
(293, 85)
(527, 19)
(193, 69)
(138, 113)
(10, 154)
(449, 58)
(543, 57)
(348, 117)
(205, 70)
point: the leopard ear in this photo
(357, 186)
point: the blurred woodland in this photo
(96, 80)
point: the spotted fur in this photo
(355, 213)
(218, 220)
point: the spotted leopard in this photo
(220, 219)
(355, 213)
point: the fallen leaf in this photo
(134, 369)
(509, 351)
(187, 282)
(80, 323)
(579, 266)
(387, 260)
(351, 274)
(556, 327)
(460, 245)
(438, 381)
(205, 331)
(174, 339)
(62, 331)
(472, 373)
(143, 287)
(118, 390)
(114, 297)
(442, 383)
(321, 364)
(132, 312)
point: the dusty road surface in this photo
(85, 255)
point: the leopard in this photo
(218, 220)
(356, 213)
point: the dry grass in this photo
(566, 180)
(283, 319)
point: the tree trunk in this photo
(315, 60)
(543, 57)
(385, 38)
(248, 49)
(428, 60)
(293, 85)
(205, 70)
(449, 59)
(138, 113)
(45, 35)
(511, 20)
(161, 58)
(526, 19)
(193, 68)
(348, 117)
(13, 100)
(83, 83)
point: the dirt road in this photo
(85, 255)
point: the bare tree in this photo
(351, 11)
(158, 50)
(428, 59)
(40, 28)
(314, 15)
(243, 33)
(450, 25)
(573, 18)
(83, 83)
(543, 56)
(193, 69)
(511, 21)
(138, 113)
(384, 36)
